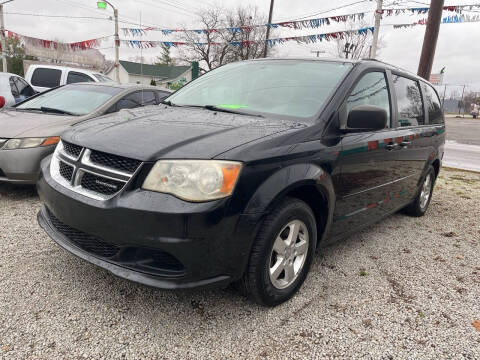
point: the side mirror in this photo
(365, 118)
(2, 102)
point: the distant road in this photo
(462, 148)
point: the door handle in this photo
(391, 146)
(405, 143)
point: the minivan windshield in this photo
(288, 88)
(78, 99)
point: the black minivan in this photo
(241, 175)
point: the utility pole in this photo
(430, 39)
(2, 37)
(376, 30)
(102, 4)
(461, 102)
(270, 14)
(444, 92)
(318, 52)
(117, 44)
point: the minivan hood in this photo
(16, 124)
(173, 132)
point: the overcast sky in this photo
(458, 47)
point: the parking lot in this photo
(407, 288)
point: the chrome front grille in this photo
(72, 150)
(114, 161)
(91, 173)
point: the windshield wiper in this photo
(226, 110)
(169, 103)
(56, 111)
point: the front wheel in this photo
(282, 253)
(420, 205)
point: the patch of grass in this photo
(421, 314)
(363, 272)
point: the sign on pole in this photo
(436, 79)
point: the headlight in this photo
(194, 180)
(25, 143)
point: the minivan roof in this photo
(351, 61)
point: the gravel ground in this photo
(403, 289)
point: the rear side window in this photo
(76, 77)
(435, 112)
(46, 77)
(371, 90)
(23, 88)
(13, 87)
(409, 100)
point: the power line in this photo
(58, 16)
(304, 16)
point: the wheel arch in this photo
(307, 182)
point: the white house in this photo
(164, 75)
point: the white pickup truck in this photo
(45, 77)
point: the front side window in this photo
(286, 88)
(76, 99)
(46, 77)
(435, 112)
(102, 78)
(371, 90)
(409, 102)
(137, 99)
(76, 77)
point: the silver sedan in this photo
(30, 130)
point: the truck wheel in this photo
(282, 253)
(420, 205)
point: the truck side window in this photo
(409, 101)
(435, 112)
(76, 77)
(371, 90)
(46, 77)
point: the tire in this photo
(278, 228)
(419, 206)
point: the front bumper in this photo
(151, 238)
(22, 166)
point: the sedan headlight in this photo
(194, 180)
(26, 143)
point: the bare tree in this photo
(354, 45)
(251, 48)
(212, 48)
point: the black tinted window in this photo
(23, 88)
(46, 77)
(435, 112)
(13, 87)
(137, 99)
(149, 98)
(162, 95)
(75, 77)
(409, 100)
(371, 90)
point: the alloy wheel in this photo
(426, 191)
(288, 254)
